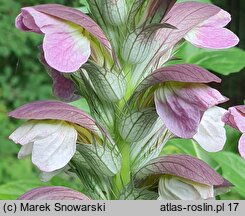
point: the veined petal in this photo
(211, 134)
(241, 146)
(40, 110)
(212, 38)
(54, 152)
(180, 117)
(181, 106)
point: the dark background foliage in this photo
(23, 79)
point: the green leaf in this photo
(233, 169)
(223, 62)
(13, 190)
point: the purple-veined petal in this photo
(212, 38)
(77, 17)
(182, 105)
(183, 166)
(181, 73)
(63, 88)
(40, 110)
(241, 146)
(211, 134)
(53, 193)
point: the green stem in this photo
(123, 177)
(197, 151)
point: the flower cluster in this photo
(118, 58)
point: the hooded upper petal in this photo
(182, 105)
(56, 110)
(52, 193)
(211, 134)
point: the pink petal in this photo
(241, 146)
(235, 117)
(220, 19)
(181, 106)
(212, 38)
(66, 52)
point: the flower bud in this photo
(109, 85)
(114, 11)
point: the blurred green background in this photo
(23, 79)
